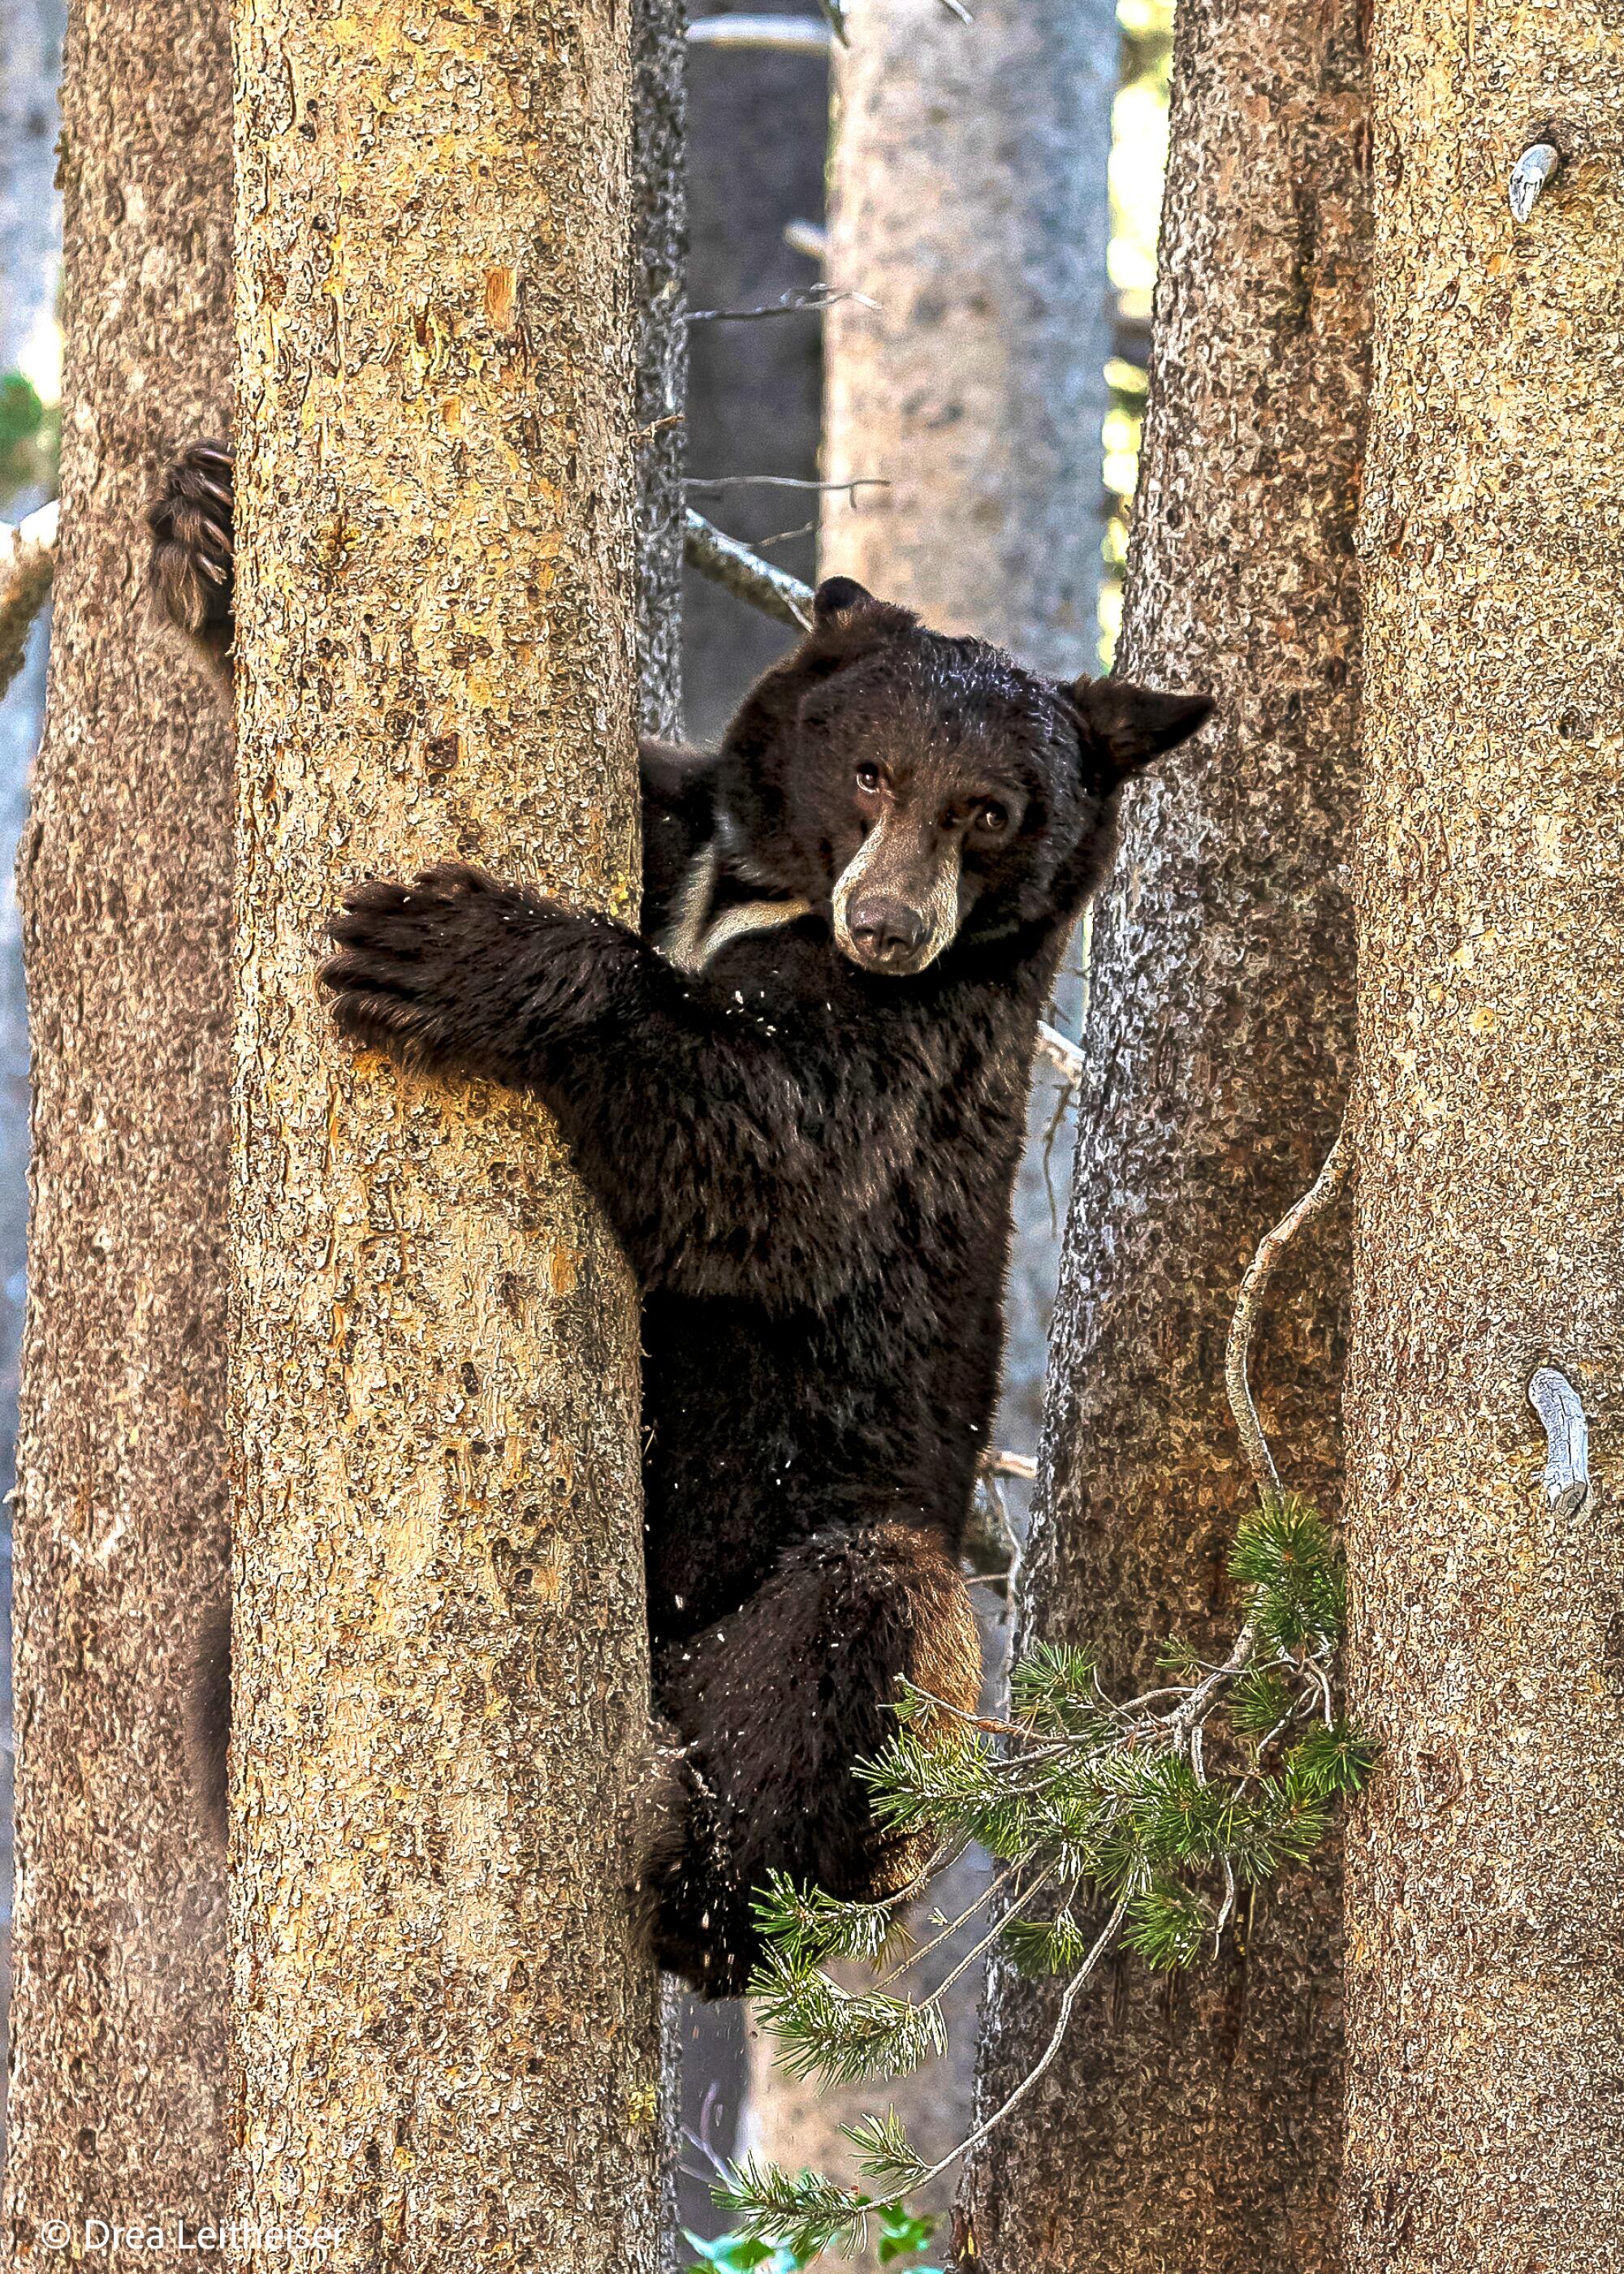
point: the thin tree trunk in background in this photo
(660, 179)
(31, 34)
(118, 2039)
(1199, 2126)
(659, 223)
(759, 130)
(968, 200)
(449, 2037)
(31, 37)
(1486, 2115)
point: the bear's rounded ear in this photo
(1129, 725)
(836, 594)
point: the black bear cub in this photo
(798, 1092)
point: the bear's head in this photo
(919, 789)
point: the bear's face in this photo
(918, 788)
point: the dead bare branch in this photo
(788, 35)
(810, 300)
(787, 536)
(806, 236)
(782, 482)
(28, 564)
(1062, 1054)
(1260, 1271)
(781, 35)
(744, 574)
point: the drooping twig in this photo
(744, 574)
(1260, 1271)
(1102, 1943)
(1186, 1722)
(1135, 1773)
(27, 563)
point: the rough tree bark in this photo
(1485, 2122)
(31, 35)
(1199, 2128)
(446, 2036)
(968, 201)
(124, 876)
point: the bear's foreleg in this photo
(192, 565)
(776, 1705)
(728, 1163)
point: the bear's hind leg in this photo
(775, 1705)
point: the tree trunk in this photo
(760, 131)
(31, 34)
(124, 876)
(968, 201)
(1486, 2115)
(446, 2033)
(659, 194)
(1199, 2126)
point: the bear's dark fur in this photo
(800, 1095)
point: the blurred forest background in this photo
(759, 128)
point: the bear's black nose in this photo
(885, 931)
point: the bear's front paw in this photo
(192, 564)
(427, 970)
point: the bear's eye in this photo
(868, 777)
(993, 819)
